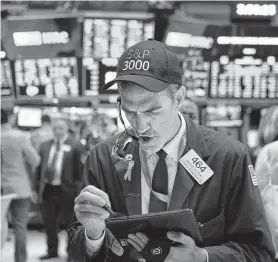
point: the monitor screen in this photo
(247, 77)
(223, 115)
(47, 77)
(40, 38)
(6, 79)
(29, 117)
(97, 73)
(244, 63)
(111, 37)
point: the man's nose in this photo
(141, 123)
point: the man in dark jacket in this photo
(57, 183)
(170, 164)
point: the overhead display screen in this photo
(245, 63)
(192, 42)
(96, 74)
(244, 78)
(238, 61)
(196, 73)
(48, 77)
(6, 79)
(110, 37)
(40, 38)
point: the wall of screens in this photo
(47, 77)
(76, 56)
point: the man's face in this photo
(60, 128)
(190, 108)
(153, 116)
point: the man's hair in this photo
(45, 119)
(171, 90)
(4, 116)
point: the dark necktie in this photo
(159, 184)
(53, 163)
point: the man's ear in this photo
(180, 95)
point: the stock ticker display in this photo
(55, 77)
(6, 79)
(96, 74)
(245, 63)
(56, 58)
(104, 40)
(110, 37)
(231, 79)
(196, 73)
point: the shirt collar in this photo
(172, 147)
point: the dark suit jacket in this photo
(228, 206)
(70, 176)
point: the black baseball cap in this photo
(150, 64)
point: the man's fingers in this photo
(95, 191)
(135, 244)
(180, 238)
(91, 209)
(136, 239)
(143, 238)
(87, 197)
(90, 215)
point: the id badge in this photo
(196, 167)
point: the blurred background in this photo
(55, 56)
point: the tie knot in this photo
(58, 144)
(162, 154)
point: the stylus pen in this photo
(111, 212)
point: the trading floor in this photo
(36, 247)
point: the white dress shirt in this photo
(59, 163)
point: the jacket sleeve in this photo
(76, 232)
(247, 231)
(37, 173)
(30, 154)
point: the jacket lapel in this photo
(182, 187)
(184, 182)
(131, 189)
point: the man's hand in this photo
(89, 212)
(138, 240)
(187, 251)
(35, 198)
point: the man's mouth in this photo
(145, 139)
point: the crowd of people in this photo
(46, 167)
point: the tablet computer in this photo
(156, 225)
